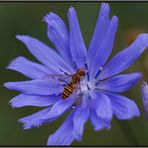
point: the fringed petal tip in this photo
(105, 5)
(114, 20)
(104, 10)
(25, 124)
(6, 85)
(20, 37)
(144, 91)
(11, 103)
(11, 63)
(99, 124)
(144, 39)
(104, 127)
(50, 19)
(46, 17)
(107, 124)
(23, 38)
(71, 10)
(144, 87)
(34, 120)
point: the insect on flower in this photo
(76, 79)
(72, 84)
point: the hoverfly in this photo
(71, 83)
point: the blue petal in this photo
(59, 108)
(125, 58)
(46, 115)
(99, 32)
(28, 68)
(102, 105)
(80, 118)
(144, 90)
(33, 100)
(105, 49)
(59, 35)
(63, 135)
(34, 120)
(77, 45)
(45, 54)
(120, 83)
(97, 122)
(37, 87)
(123, 107)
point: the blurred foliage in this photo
(26, 18)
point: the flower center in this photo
(86, 86)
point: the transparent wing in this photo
(62, 79)
(77, 91)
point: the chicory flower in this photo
(99, 98)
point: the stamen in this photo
(75, 66)
(64, 85)
(86, 67)
(88, 87)
(89, 98)
(97, 83)
(73, 106)
(64, 72)
(99, 71)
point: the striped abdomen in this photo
(68, 89)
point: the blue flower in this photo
(99, 98)
(144, 90)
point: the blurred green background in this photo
(26, 18)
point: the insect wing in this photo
(76, 91)
(61, 79)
